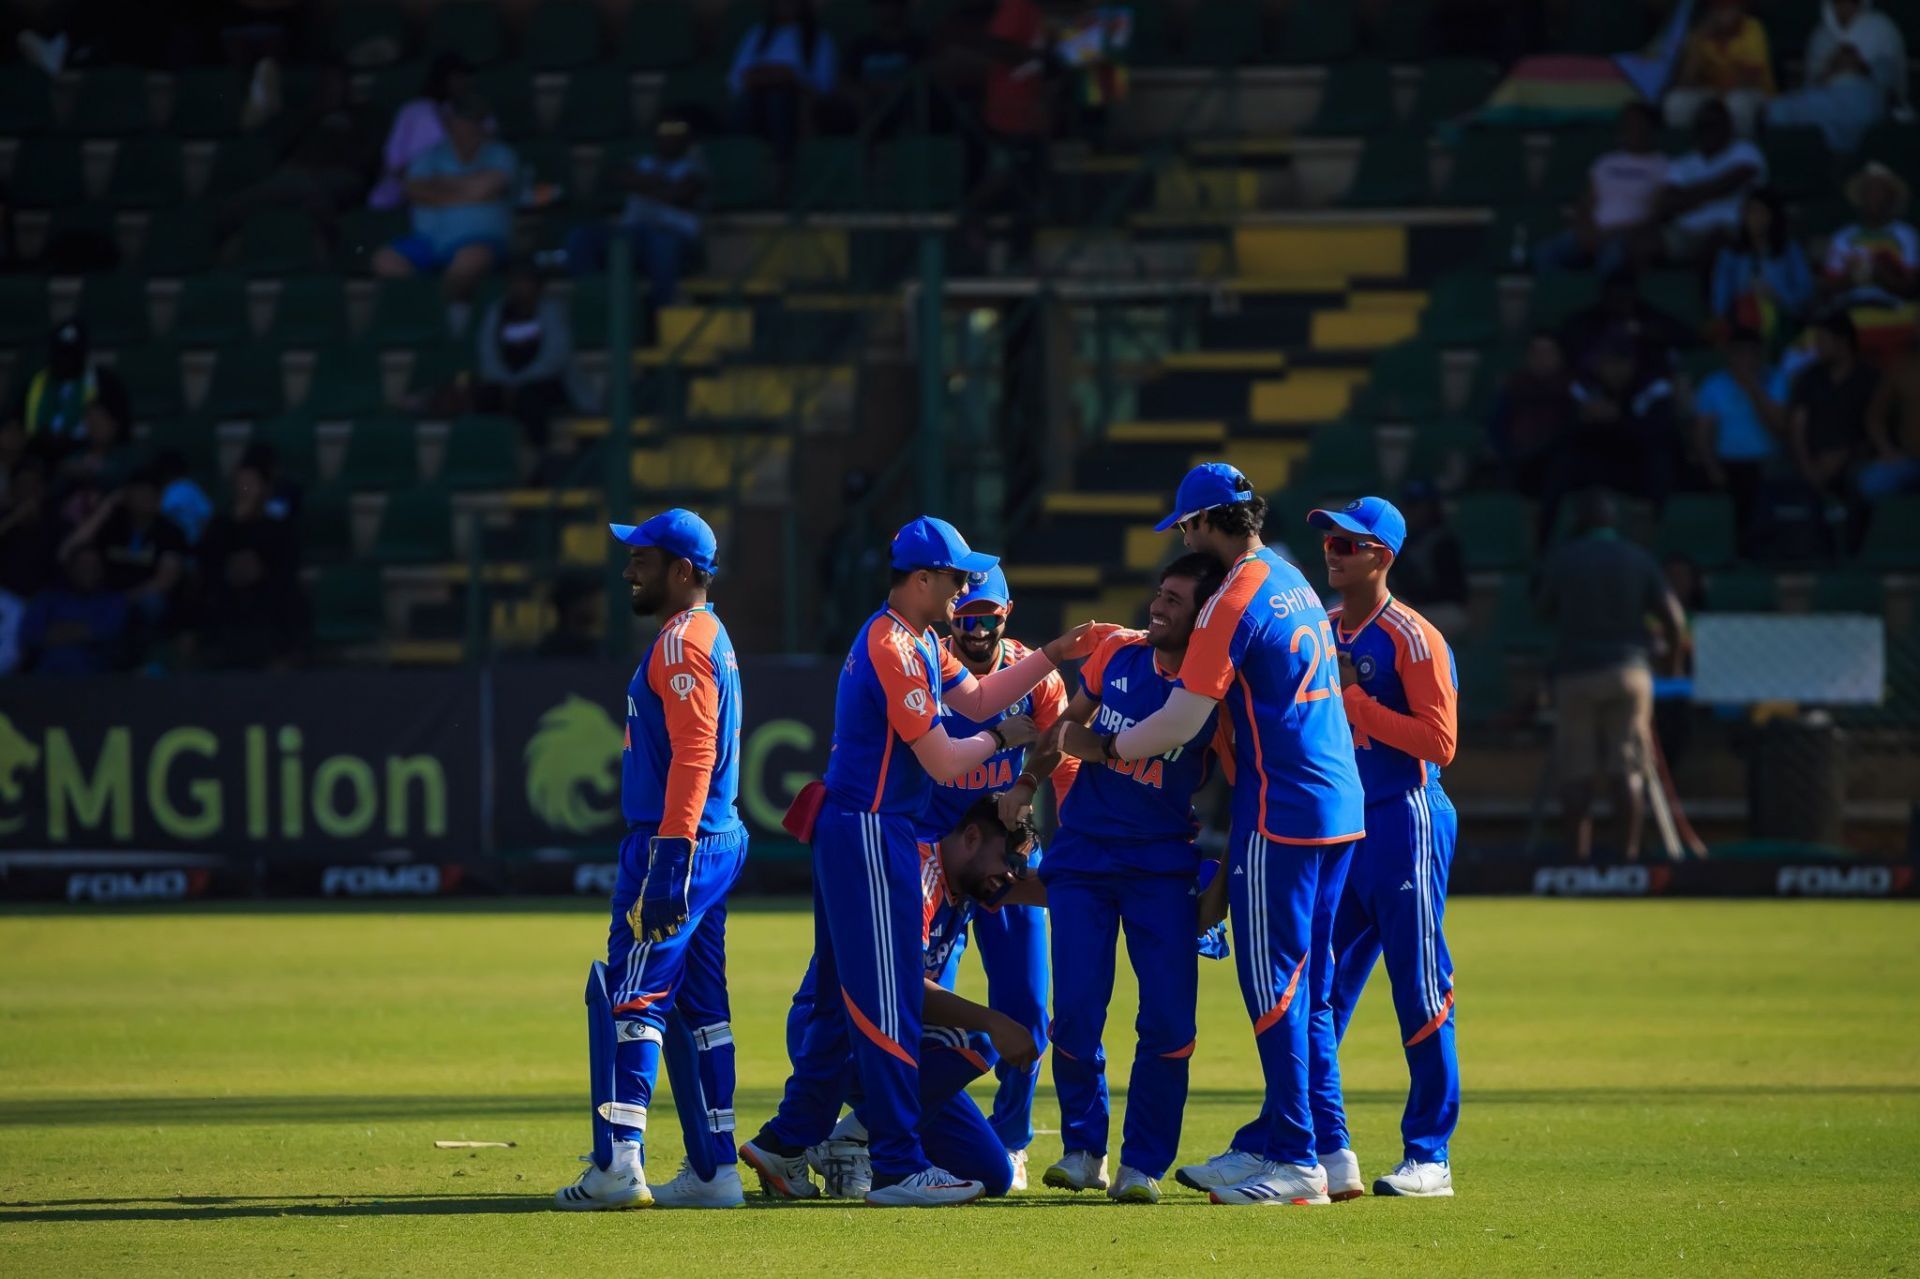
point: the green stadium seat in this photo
(347, 383)
(292, 438)
(469, 29)
(246, 384)
(47, 174)
(548, 159)
(152, 377)
(596, 106)
(1317, 33)
(1521, 629)
(1357, 99)
(349, 605)
(110, 102)
(1404, 384)
(367, 33)
(179, 242)
(392, 87)
(1446, 452)
(238, 163)
(1798, 164)
(739, 172)
(326, 523)
(1392, 173)
(1678, 294)
(1701, 527)
(278, 242)
(362, 231)
(482, 452)
(1849, 590)
(1514, 233)
(1557, 295)
(831, 174)
(207, 102)
(115, 309)
(416, 527)
(564, 34)
(921, 174)
(212, 311)
(1600, 29)
(1495, 530)
(1570, 161)
(588, 311)
(146, 174)
(194, 439)
(408, 311)
(26, 99)
(446, 364)
(1742, 590)
(698, 92)
(1893, 536)
(657, 36)
(1463, 309)
(1489, 167)
(1225, 33)
(1895, 145)
(381, 453)
(508, 92)
(1452, 87)
(1343, 462)
(310, 312)
(1398, 30)
(848, 20)
(1486, 688)
(23, 310)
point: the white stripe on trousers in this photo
(887, 1016)
(1424, 962)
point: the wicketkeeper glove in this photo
(663, 894)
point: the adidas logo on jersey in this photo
(1239, 870)
(1407, 886)
(1118, 685)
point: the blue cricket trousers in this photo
(1156, 912)
(868, 958)
(1282, 899)
(1395, 900)
(684, 975)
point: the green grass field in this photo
(1650, 1088)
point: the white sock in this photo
(626, 1158)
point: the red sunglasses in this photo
(1350, 546)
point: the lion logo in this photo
(573, 768)
(17, 755)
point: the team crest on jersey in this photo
(916, 700)
(1364, 667)
(682, 685)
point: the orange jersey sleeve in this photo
(681, 676)
(904, 679)
(1049, 704)
(1094, 669)
(1431, 730)
(1207, 669)
(1222, 746)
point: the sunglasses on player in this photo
(1344, 546)
(980, 623)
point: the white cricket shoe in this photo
(845, 1168)
(1228, 1169)
(1412, 1179)
(1278, 1184)
(599, 1189)
(1343, 1175)
(686, 1190)
(781, 1176)
(928, 1188)
(1134, 1187)
(1018, 1158)
(1078, 1170)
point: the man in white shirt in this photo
(1707, 187)
(1621, 205)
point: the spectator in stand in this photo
(250, 563)
(461, 192)
(1827, 425)
(102, 457)
(1533, 414)
(1708, 187)
(81, 627)
(1430, 572)
(580, 615)
(182, 500)
(783, 69)
(1762, 281)
(666, 189)
(1599, 592)
(1856, 73)
(1623, 434)
(1873, 267)
(145, 554)
(1893, 429)
(524, 356)
(29, 537)
(880, 62)
(1621, 311)
(53, 404)
(325, 160)
(1740, 422)
(1616, 221)
(1727, 59)
(284, 495)
(418, 128)
(1022, 77)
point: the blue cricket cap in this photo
(1374, 518)
(679, 532)
(990, 589)
(930, 542)
(1207, 485)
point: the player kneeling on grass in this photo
(980, 865)
(1125, 859)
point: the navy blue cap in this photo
(678, 532)
(1208, 485)
(1370, 517)
(930, 542)
(991, 589)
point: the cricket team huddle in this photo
(1329, 726)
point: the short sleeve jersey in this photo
(1132, 815)
(1263, 646)
(1397, 656)
(889, 697)
(952, 799)
(943, 916)
(680, 769)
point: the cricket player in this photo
(1263, 645)
(1399, 687)
(889, 749)
(664, 982)
(1012, 940)
(1125, 859)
